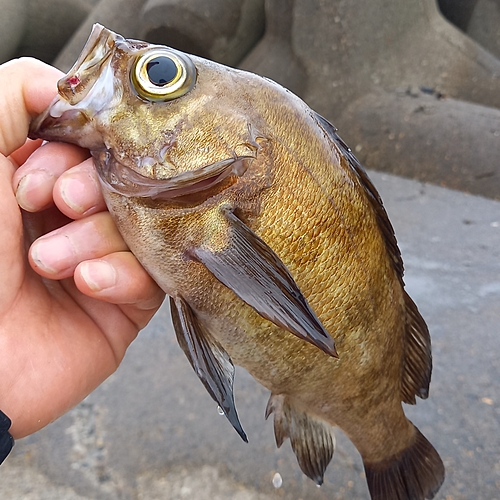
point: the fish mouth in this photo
(84, 92)
(72, 126)
(88, 68)
(123, 180)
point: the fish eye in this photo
(162, 75)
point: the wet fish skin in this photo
(256, 219)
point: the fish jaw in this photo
(72, 126)
(88, 68)
(85, 92)
(76, 124)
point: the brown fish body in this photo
(334, 249)
(267, 258)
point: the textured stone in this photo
(49, 25)
(273, 56)
(480, 19)
(221, 30)
(425, 136)
(353, 48)
(484, 25)
(121, 16)
(12, 25)
(459, 12)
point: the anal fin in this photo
(312, 440)
(208, 358)
(416, 473)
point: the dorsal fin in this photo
(382, 219)
(417, 361)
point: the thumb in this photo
(26, 88)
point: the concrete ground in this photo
(151, 432)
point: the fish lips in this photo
(71, 126)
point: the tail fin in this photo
(416, 473)
(312, 440)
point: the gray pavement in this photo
(151, 432)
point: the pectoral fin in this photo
(250, 268)
(209, 360)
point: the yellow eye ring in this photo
(161, 74)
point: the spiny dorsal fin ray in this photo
(209, 360)
(417, 357)
(312, 440)
(251, 269)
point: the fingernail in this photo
(75, 191)
(52, 254)
(30, 189)
(98, 275)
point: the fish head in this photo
(159, 123)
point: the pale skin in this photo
(72, 296)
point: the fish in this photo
(271, 242)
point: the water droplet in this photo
(220, 411)
(277, 480)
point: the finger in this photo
(19, 156)
(27, 86)
(34, 181)
(57, 254)
(77, 192)
(38, 224)
(120, 279)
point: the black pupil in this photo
(161, 70)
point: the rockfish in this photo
(273, 245)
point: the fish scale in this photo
(255, 218)
(336, 247)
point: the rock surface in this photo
(348, 59)
(12, 25)
(419, 134)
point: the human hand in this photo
(58, 339)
